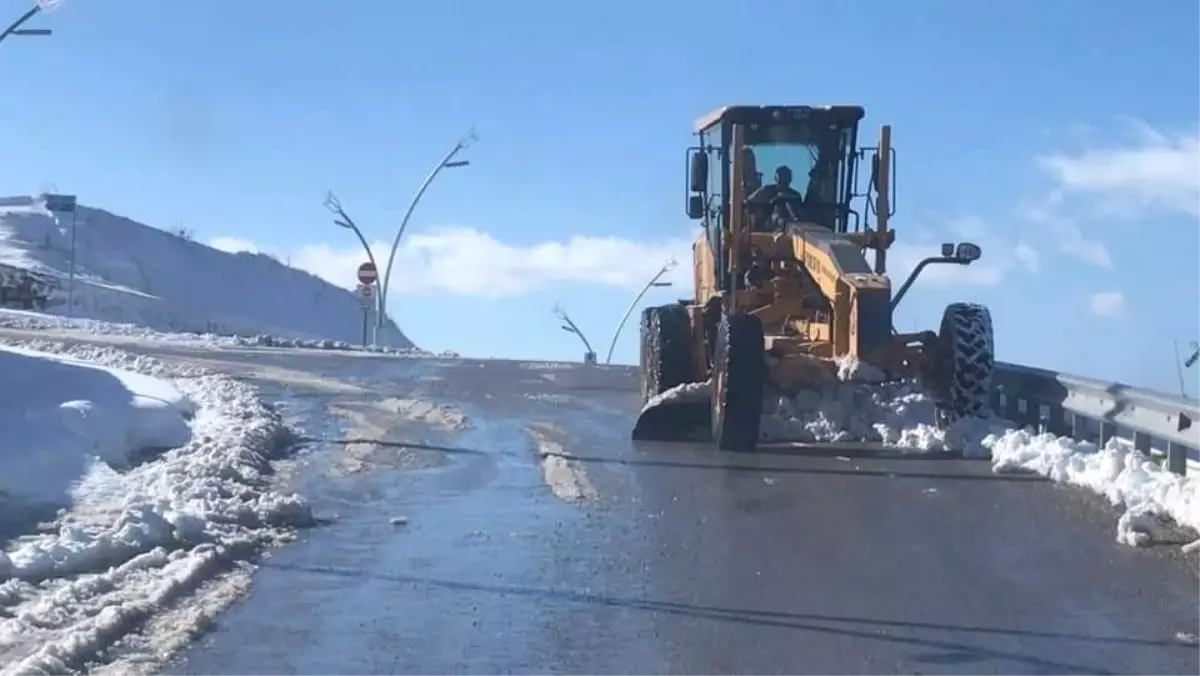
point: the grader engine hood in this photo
(860, 299)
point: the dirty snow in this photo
(29, 320)
(430, 413)
(566, 478)
(130, 544)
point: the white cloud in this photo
(1052, 215)
(1027, 256)
(1156, 170)
(999, 256)
(469, 261)
(233, 244)
(903, 259)
(1107, 303)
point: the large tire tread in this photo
(737, 408)
(966, 351)
(666, 359)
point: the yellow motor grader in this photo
(782, 285)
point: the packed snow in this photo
(29, 320)
(133, 538)
(59, 413)
(857, 407)
(681, 394)
(127, 272)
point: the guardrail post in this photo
(1108, 430)
(1056, 420)
(1079, 428)
(1033, 414)
(1177, 458)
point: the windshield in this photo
(799, 157)
(814, 158)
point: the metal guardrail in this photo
(1158, 424)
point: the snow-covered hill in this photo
(132, 273)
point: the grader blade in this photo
(675, 421)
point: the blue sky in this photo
(1060, 135)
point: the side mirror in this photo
(968, 252)
(695, 207)
(698, 174)
(875, 172)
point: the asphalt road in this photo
(517, 529)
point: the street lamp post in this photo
(446, 162)
(15, 27)
(652, 283)
(589, 356)
(344, 221)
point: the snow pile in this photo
(858, 406)
(132, 542)
(264, 340)
(129, 272)
(685, 393)
(1127, 477)
(894, 414)
(58, 413)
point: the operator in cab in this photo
(787, 207)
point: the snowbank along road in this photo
(401, 514)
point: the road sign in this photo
(367, 274)
(63, 203)
(365, 291)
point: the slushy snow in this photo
(131, 541)
(856, 407)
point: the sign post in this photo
(367, 274)
(57, 204)
(365, 292)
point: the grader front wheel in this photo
(739, 375)
(965, 358)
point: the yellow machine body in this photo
(798, 286)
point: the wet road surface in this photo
(679, 559)
(517, 530)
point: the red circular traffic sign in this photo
(367, 274)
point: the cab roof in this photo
(844, 114)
